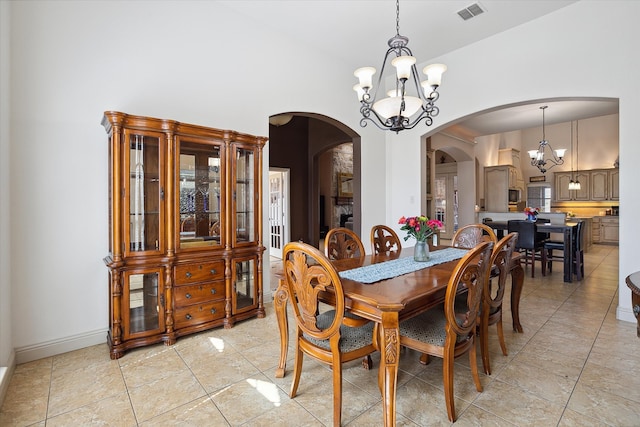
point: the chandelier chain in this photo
(397, 17)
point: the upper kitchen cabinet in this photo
(561, 186)
(596, 185)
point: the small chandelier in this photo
(574, 185)
(399, 110)
(537, 156)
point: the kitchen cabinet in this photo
(605, 229)
(599, 185)
(497, 182)
(185, 229)
(596, 185)
(561, 186)
(614, 181)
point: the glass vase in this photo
(421, 251)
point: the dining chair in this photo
(530, 242)
(341, 243)
(384, 240)
(577, 253)
(472, 235)
(449, 331)
(493, 294)
(321, 334)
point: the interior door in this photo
(278, 211)
(446, 198)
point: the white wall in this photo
(6, 349)
(583, 50)
(73, 60)
(78, 59)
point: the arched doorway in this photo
(297, 146)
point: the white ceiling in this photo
(356, 32)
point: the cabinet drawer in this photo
(196, 294)
(199, 272)
(198, 313)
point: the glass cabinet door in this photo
(144, 202)
(143, 303)
(200, 198)
(245, 285)
(245, 195)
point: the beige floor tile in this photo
(115, 410)
(476, 417)
(74, 389)
(164, 394)
(605, 407)
(199, 412)
(289, 413)
(517, 406)
(573, 419)
(424, 404)
(27, 394)
(538, 381)
(222, 370)
(574, 365)
(148, 365)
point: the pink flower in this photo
(420, 227)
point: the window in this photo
(539, 196)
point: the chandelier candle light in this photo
(537, 156)
(399, 110)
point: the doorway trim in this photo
(279, 210)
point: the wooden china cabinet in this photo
(185, 229)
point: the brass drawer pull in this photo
(188, 275)
(213, 291)
(213, 311)
(188, 316)
(188, 295)
(213, 271)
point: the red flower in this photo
(419, 227)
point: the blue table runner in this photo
(397, 267)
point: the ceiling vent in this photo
(471, 11)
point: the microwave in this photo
(514, 195)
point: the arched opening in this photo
(483, 135)
(299, 146)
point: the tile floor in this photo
(574, 365)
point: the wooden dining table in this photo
(387, 302)
(568, 229)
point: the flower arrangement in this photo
(532, 213)
(419, 227)
(570, 214)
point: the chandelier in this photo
(400, 110)
(537, 156)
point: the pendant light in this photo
(572, 182)
(577, 184)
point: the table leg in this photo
(568, 254)
(280, 302)
(517, 282)
(389, 340)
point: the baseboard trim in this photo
(6, 372)
(625, 314)
(63, 345)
